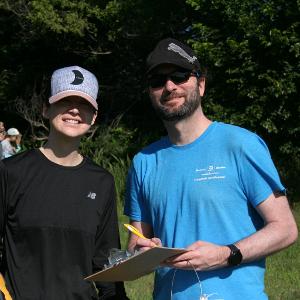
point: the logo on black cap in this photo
(173, 47)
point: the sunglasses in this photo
(159, 80)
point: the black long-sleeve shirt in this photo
(58, 224)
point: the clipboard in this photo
(136, 266)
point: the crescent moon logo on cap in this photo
(78, 77)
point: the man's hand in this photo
(18, 139)
(146, 244)
(140, 244)
(202, 256)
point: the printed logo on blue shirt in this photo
(210, 173)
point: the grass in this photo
(282, 276)
(283, 270)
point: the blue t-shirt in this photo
(206, 190)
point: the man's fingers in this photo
(185, 264)
(146, 244)
(157, 242)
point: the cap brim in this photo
(180, 64)
(65, 94)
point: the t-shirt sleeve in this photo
(258, 173)
(107, 238)
(135, 207)
(132, 208)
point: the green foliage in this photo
(4, 79)
(119, 169)
(61, 16)
(250, 49)
(108, 144)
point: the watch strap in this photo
(235, 257)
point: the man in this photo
(11, 144)
(57, 208)
(208, 187)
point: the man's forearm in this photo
(279, 232)
(272, 238)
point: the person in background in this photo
(2, 137)
(11, 144)
(2, 127)
(57, 207)
(207, 186)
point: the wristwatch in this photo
(235, 257)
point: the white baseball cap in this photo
(12, 131)
(74, 81)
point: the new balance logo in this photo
(91, 195)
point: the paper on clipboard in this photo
(136, 266)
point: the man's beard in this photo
(192, 102)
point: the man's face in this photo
(12, 138)
(174, 102)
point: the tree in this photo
(250, 49)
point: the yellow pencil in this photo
(135, 231)
(3, 288)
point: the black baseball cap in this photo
(172, 51)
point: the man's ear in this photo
(201, 84)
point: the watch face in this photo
(235, 257)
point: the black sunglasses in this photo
(159, 80)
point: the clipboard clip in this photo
(116, 256)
